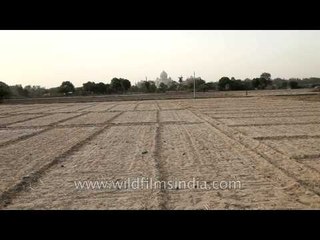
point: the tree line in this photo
(122, 86)
(117, 85)
(265, 82)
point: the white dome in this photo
(163, 75)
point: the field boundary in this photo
(292, 116)
(24, 137)
(24, 120)
(270, 124)
(287, 137)
(160, 170)
(45, 128)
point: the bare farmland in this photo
(4, 121)
(269, 144)
(47, 120)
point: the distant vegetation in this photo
(4, 90)
(67, 88)
(122, 86)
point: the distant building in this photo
(164, 79)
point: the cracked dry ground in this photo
(270, 145)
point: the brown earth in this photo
(268, 143)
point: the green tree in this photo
(18, 91)
(224, 83)
(266, 76)
(100, 88)
(152, 87)
(4, 91)
(293, 84)
(125, 84)
(162, 87)
(173, 86)
(261, 83)
(134, 88)
(212, 85)
(256, 83)
(89, 87)
(146, 86)
(53, 91)
(97, 88)
(66, 88)
(78, 91)
(248, 84)
(279, 83)
(237, 84)
(35, 91)
(284, 85)
(108, 88)
(203, 87)
(116, 85)
(198, 81)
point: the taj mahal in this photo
(163, 79)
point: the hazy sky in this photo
(47, 58)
